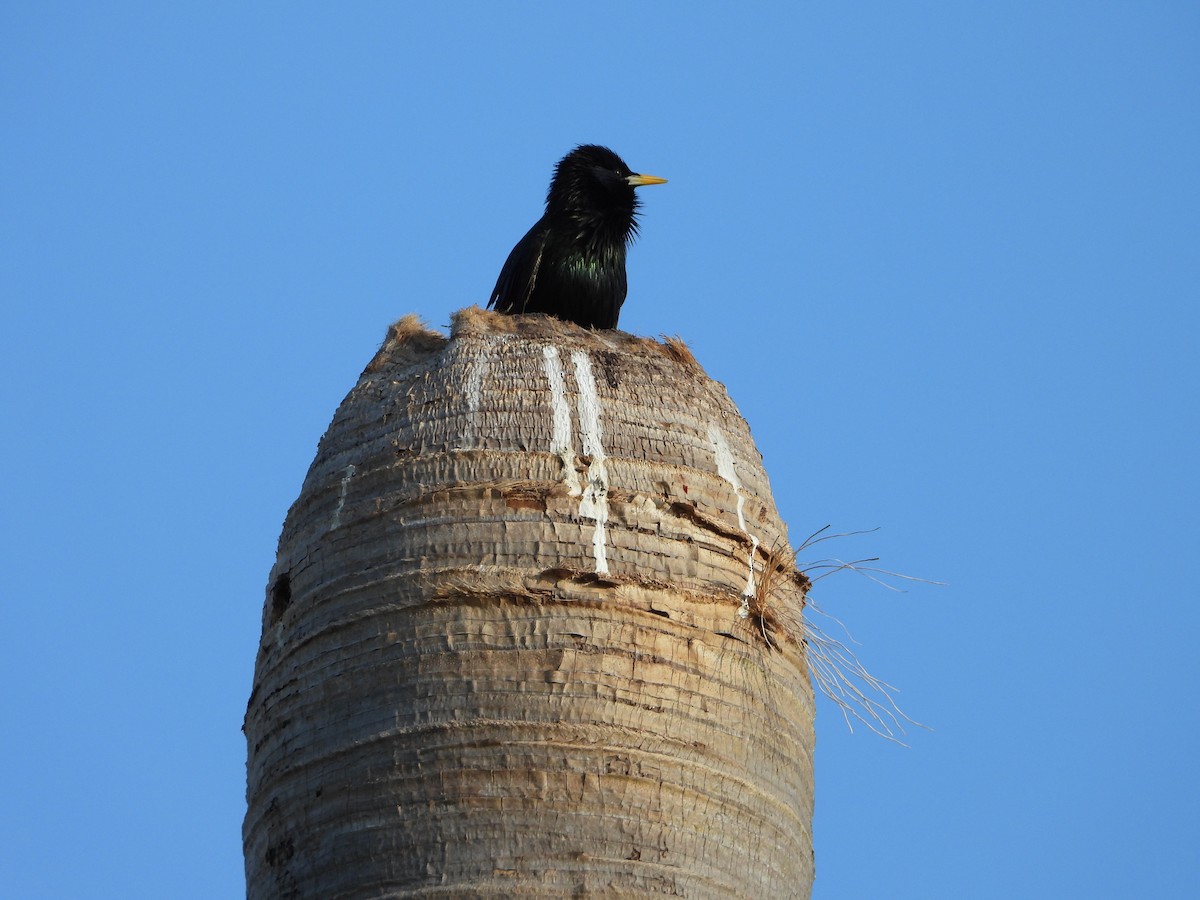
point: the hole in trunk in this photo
(281, 596)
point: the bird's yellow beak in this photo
(641, 180)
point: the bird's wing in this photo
(517, 278)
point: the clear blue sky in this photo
(945, 256)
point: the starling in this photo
(571, 264)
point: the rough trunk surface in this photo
(506, 648)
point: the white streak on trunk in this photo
(594, 503)
(727, 470)
(476, 372)
(560, 437)
(750, 588)
(337, 512)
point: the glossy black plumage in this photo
(571, 264)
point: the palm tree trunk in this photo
(518, 638)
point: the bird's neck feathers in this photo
(608, 230)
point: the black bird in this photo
(571, 264)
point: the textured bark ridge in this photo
(506, 649)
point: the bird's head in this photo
(593, 181)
